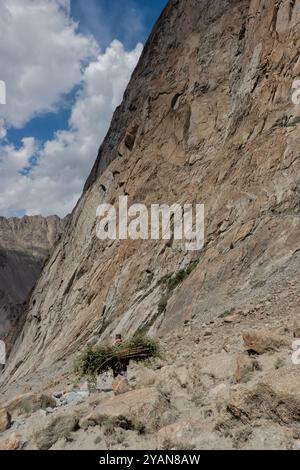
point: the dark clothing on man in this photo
(120, 368)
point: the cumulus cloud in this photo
(61, 165)
(42, 56)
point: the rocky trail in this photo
(227, 384)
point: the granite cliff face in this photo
(207, 118)
(24, 246)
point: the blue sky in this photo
(129, 21)
(67, 52)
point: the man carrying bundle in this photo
(120, 367)
(96, 360)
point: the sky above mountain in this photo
(66, 64)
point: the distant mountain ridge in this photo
(25, 244)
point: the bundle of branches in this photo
(96, 360)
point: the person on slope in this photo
(120, 368)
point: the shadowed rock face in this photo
(206, 118)
(24, 246)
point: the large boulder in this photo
(10, 443)
(137, 409)
(263, 341)
(277, 398)
(218, 366)
(74, 397)
(49, 428)
(193, 433)
(5, 420)
(120, 385)
(29, 403)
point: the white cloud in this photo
(13, 159)
(55, 183)
(2, 128)
(41, 56)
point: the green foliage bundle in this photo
(96, 360)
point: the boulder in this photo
(191, 433)
(29, 403)
(277, 398)
(183, 376)
(232, 318)
(5, 420)
(10, 443)
(52, 427)
(243, 368)
(269, 436)
(218, 365)
(263, 341)
(177, 432)
(74, 397)
(120, 385)
(208, 332)
(168, 417)
(145, 377)
(136, 409)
